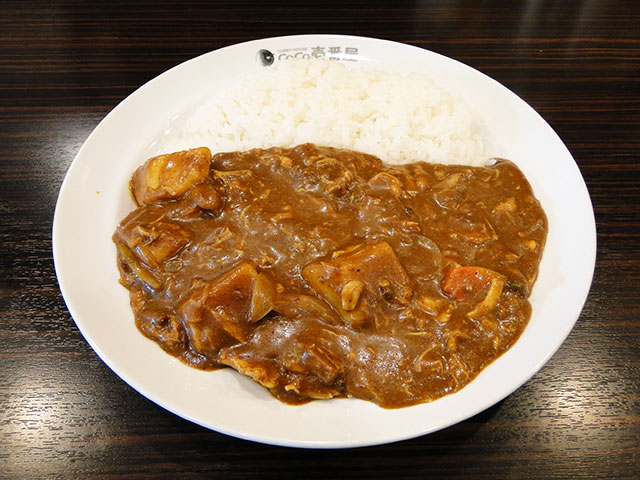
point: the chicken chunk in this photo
(297, 359)
(354, 279)
(156, 242)
(143, 249)
(224, 311)
(170, 176)
(162, 326)
(297, 305)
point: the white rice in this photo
(398, 118)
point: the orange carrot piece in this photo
(460, 281)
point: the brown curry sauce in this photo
(324, 273)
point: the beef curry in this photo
(323, 273)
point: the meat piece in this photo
(312, 359)
(162, 326)
(170, 176)
(201, 197)
(130, 264)
(155, 242)
(296, 305)
(386, 182)
(326, 175)
(490, 300)
(354, 280)
(448, 191)
(296, 359)
(145, 245)
(224, 311)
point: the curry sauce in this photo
(323, 273)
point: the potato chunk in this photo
(170, 176)
(353, 280)
(224, 311)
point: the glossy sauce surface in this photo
(321, 272)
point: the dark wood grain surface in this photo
(65, 65)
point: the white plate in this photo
(94, 198)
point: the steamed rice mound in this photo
(398, 118)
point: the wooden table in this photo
(65, 65)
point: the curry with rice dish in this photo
(321, 272)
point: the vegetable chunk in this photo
(462, 282)
(473, 283)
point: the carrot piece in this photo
(461, 281)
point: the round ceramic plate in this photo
(94, 198)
